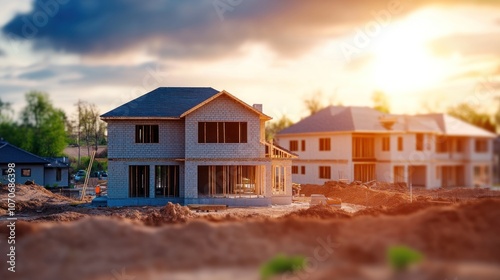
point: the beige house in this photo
(193, 146)
(362, 144)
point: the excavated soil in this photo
(457, 230)
(451, 237)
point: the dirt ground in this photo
(456, 230)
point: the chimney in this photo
(257, 107)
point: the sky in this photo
(423, 54)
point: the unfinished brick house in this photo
(193, 145)
(362, 144)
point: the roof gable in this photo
(10, 153)
(225, 93)
(163, 102)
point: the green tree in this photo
(274, 126)
(5, 112)
(470, 114)
(44, 125)
(381, 102)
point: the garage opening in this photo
(418, 176)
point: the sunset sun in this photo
(402, 60)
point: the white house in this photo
(193, 145)
(362, 144)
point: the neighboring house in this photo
(52, 172)
(193, 145)
(362, 144)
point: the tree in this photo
(44, 125)
(381, 102)
(470, 114)
(5, 112)
(274, 126)
(89, 128)
(314, 103)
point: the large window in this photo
(459, 146)
(295, 169)
(222, 132)
(294, 145)
(364, 172)
(363, 147)
(166, 181)
(442, 144)
(146, 134)
(279, 182)
(324, 144)
(325, 172)
(481, 146)
(138, 181)
(420, 142)
(228, 180)
(386, 143)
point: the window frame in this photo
(293, 145)
(219, 132)
(25, 170)
(295, 169)
(325, 144)
(325, 172)
(386, 144)
(151, 136)
(419, 142)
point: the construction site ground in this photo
(456, 229)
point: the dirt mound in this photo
(62, 217)
(356, 193)
(169, 214)
(32, 197)
(448, 236)
(319, 212)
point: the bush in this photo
(401, 257)
(281, 264)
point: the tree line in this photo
(44, 130)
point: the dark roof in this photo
(163, 102)
(339, 118)
(12, 154)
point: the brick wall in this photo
(223, 109)
(121, 140)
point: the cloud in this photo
(194, 28)
(38, 75)
(2, 53)
(468, 44)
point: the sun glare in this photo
(401, 59)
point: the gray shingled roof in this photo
(10, 153)
(340, 118)
(365, 119)
(163, 102)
